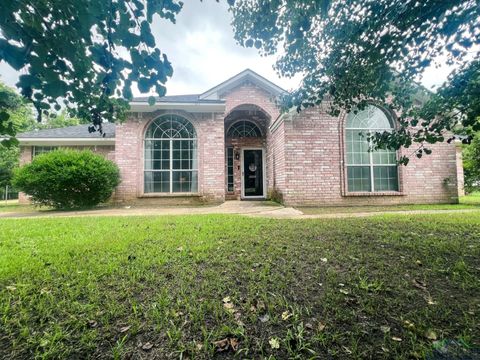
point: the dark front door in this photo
(253, 173)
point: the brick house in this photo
(231, 142)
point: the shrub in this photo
(66, 179)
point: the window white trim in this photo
(371, 164)
(193, 170)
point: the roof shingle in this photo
(70, 132)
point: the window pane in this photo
(359, 178)
(244, 128)
(157, 155)
(184, 181)
(357, 148)
(385, 178)
(38, 150)
(384, 157)
(157, 181)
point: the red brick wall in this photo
(249, 93)
(211, 146)
(314, 167)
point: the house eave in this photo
(142, 107)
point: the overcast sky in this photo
(204, 53)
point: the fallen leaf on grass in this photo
(431, 335)
(347, 350)
(321, 326)
(226, 344)
(234, 344)
(125, 328)
(286, 315)
(395, 338)
(226, 299)
(408, 324)
(343, 291)
(180, 248)
(10, 288)
(274, 343)
(324, 260)
(147, 346)
(430, 301)
(385, 329)
(419, 284)
(228, 306)
(92, 323)
(264, 318)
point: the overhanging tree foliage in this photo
(471, 165)
(87, 53)
(356, 51)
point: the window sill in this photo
(379, 193)
(169, 195)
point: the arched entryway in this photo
(246, 128)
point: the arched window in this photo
(243, 129)
(369, 171)
(170, 156)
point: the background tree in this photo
(21, 119)
(471, 165)
(84, 54)
(18, 117)
(355, 51)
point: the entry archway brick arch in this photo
(249, 93)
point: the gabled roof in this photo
(246, 75)
(209, 101)
(70, 135)
(70, 132)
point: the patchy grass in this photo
(14, 206)
(470, 202)
(187, 287)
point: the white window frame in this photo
(170, 169)
(369, 132)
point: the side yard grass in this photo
(218, 286)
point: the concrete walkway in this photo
(247, 208)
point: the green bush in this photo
(67, 179)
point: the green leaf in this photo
(152, 100)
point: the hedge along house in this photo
(231, 142)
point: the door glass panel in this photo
(253, 173)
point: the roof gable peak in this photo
(234, 81)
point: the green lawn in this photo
(469, 202)
(188, 287)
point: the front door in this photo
(252, 173)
